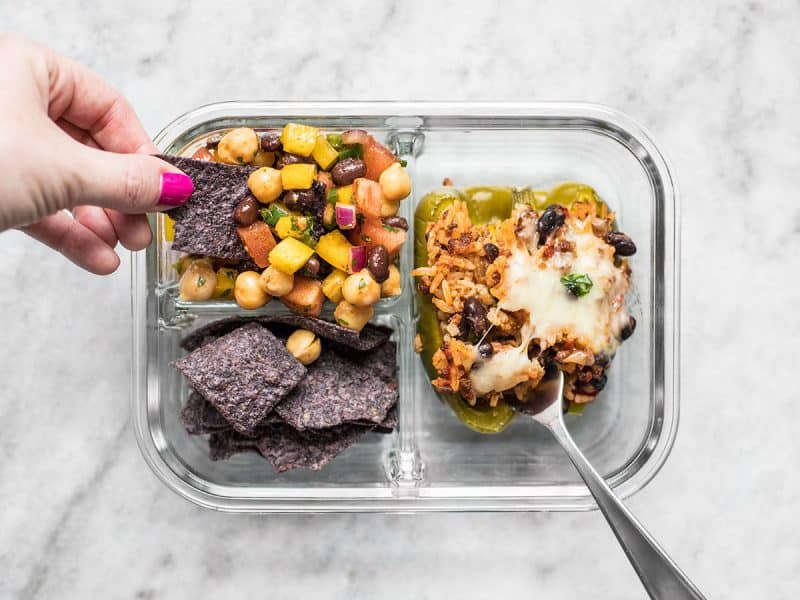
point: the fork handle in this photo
(661, 577)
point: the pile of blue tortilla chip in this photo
(251, 395)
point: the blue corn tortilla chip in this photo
(366, 340)
(286, 448)
(244, 374)
(339, 389)
(199, 416)
(205, 225)
(388, 425)
(369, 338)
(211, 331)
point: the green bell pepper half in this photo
(485, 205)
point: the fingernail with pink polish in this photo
(176, 188)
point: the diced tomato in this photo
(356, 136)
(258, 241)
(202, 154)
(378, 158)
(325, 177)
(373, 232)
(306, 296)
(368, 197)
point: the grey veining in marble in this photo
(717, 83)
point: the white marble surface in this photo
(717, 83)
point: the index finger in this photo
(81, 97)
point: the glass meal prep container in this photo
(432, 462)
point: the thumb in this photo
(130, 183)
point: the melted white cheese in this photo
(502, 371)
(534, 284)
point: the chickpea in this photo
(389, 208)
(391, 287)
(248, 291)
(395, 182)
(238, 146)
(198, 281)
(265, 184)
(361, 289)
(304, 346)
(276, 283)
(354, 317)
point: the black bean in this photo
(623, 244)
(552, 218)
(628, 329)
(300, 200)
(324, 269)
(475, 313)
(311, 268)
(378, 263)
(348, 170)
(598, 383)
(492, 252)
(246, 212)
(320, 191)
(601, 359)
(270, 142)
(290, 159)
(485, 350)
(396, 222)
(213, 141)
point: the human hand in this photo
(70, 141)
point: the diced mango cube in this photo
(290, 255)
(226, 279)
(343, 195)
(334, 249)
(299, 139)
(284, 227)
(298, 176)
(324, 153)
(292, 226)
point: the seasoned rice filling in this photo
(517, 295)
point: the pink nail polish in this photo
(176, 188)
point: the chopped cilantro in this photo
(389, 228)
(271, 214)
(362, 284)
(403, 162)
(579, 284)
(201, 281)
(354, 151)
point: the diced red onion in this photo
(358, 258)
(345, 216)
